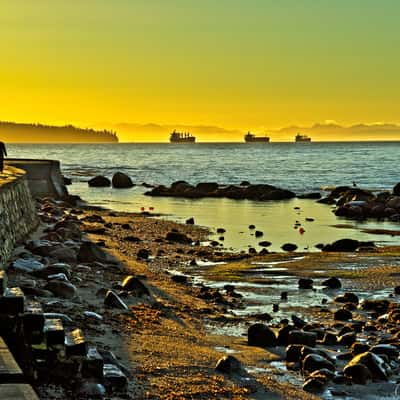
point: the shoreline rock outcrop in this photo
(259, 192)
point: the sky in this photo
(236, 64)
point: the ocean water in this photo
(301, 167)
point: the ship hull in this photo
(187, 140)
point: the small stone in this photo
(143, 254)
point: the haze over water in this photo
(299, 167)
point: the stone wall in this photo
(17, 211)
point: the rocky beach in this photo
(153, 309)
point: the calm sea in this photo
(301, 167)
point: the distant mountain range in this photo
(332, 131)
(12, 132)
(318, 132)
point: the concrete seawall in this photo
(43, 176)
(17, 211)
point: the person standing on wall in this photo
(3, 152)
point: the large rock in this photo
(89, 252)
(396, 189)
(121, 181)
(314, 362)
(206, 187)
(133, 284)
(99, 181)
(61, 288)
(304, 338)
(357, 373)
(261, 335)
(112, 300)
(289, 247)
(344, 245)
(178, 237)
(375, 364)
(332, 283)
(228, 365)
(64, 254)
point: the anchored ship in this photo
(302, 138)
(250, 138)
(181, 137)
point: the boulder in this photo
(28, 265)
(289, 247)
(347, 297)
(358, 373)
(313, 362)
(206, 187)
(121, 181)
(99, 181)
(342, 315)
(347, 339)
(89, 252)
(344, 245)
(228, 365)
(332, 283)
(190, 221)
(261, 335)
(396, 189)
(304, 338)
(133, 284)
(305, 283)
(61, 288)
(283, 335)
(385, 349)
(373, 362)
(315, 383)
(64, 254)
(264, 243)
(313, 196)
(178, 237)
(112, 300)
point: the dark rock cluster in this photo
(358, 344)
(359, 204)
(212, 189)
(49, 344)
(118, 181)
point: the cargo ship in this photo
(182, 137)
(302, 138)
(250, 138)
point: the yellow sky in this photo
(238, 64)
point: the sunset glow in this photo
(239, 65)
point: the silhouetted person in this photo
(3, 152)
